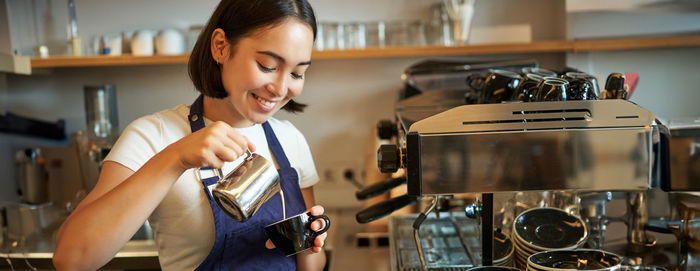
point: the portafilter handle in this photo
(383, 208)
(379, 188)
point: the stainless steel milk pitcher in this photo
(241, 193)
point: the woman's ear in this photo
(219, 46)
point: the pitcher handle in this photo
(249, 155)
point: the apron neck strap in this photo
(196, 116)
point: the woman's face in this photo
(266, 70)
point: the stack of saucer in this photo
(493, 268)
(544, 229)
(578, 259)
(503, 250)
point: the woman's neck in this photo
(222, 110)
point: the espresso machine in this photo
(586, 152)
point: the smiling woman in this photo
(248, 63)
(263, 72)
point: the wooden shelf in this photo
(124, 60)
(631, 43)
(636, 43)
(477, 49)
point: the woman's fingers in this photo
(318, 243)
(228, 152)
(240, 140)
(317, 210)
(230, 144)
(320, 239)
(318, 224)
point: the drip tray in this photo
(449, 243)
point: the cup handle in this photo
(326, 219)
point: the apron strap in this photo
(275, 146)
(196, 116)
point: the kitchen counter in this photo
(37, 252)
(348, 245)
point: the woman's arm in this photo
(314, 258)
(113, 211)
(122, 199)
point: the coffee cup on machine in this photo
(614, 87)
(553, 90)
(525, 90)
(499, 86)
(294, 234)
(584, 84)
(538, 71)
(581, 89)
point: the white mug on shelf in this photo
(170, 42)
(142, 43)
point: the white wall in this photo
(345, 97)
(666, 85)
(666, 77)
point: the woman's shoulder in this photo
(175, 115)
(160, 128)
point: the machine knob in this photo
(386, 129)
(388, 158)
(473, 210)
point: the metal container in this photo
(241, 193)
(25, 220)
(33, 176)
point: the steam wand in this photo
(416, 227)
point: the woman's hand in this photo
(211, 146)
(317, 225)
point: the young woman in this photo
(248, 63)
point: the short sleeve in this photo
(139, 141)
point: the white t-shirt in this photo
(183, 224)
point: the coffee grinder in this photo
(101, 117)
(102, 130)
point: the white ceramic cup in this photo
(170, 42)
(142, 43)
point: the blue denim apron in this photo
(241, 245)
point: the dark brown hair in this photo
(238, 19)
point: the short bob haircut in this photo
(238, 19)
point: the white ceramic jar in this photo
(142, 43)
(170, 42)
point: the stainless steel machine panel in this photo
(580, 145)
(610, 159)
